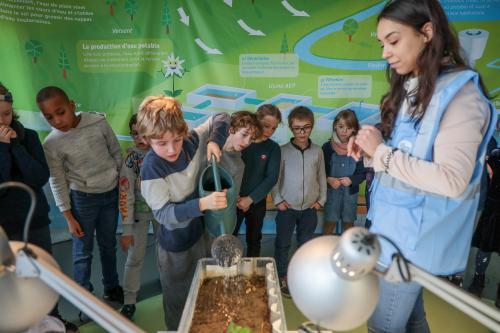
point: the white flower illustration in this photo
(173, 65)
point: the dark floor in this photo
(150, 281)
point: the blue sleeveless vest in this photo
(433, 231)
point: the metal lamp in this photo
(30, 281)
(334, 282)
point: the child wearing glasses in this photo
(136, 217)
(300, 190)
(343, 175)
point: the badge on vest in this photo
(405, 146)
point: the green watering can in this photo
(226, 248)
(216, 178)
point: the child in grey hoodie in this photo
(84, 161)
(300, 190)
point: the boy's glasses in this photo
(300, 130)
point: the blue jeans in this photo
(400, 309)
(306, 222)
(97, 213)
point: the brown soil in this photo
(240, 299)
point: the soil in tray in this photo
(241, 300)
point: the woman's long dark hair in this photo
(441, 53)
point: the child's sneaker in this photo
(128, 311)
(477, 285)
(114, 294)
(284, 287)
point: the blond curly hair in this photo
(158, 115)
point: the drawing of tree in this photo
(34, 49)
(111, 3)
(63, 61)
(131, 8)
(284, 45)
(166, 20)
(350, 27)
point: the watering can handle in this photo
(215, 171)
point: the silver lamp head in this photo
(24, 301)
(330, 279)
(356, 254)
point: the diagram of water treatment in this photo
(220, 55)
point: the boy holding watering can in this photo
(169, 184)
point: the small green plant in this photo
(233, 328)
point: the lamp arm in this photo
(470, 305)
(101, 313)
(31, 210)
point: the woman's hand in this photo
(367, 140)
(353, 150)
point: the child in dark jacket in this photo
(262, 165)
(22, 160)
(487, 235)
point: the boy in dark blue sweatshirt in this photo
(169, 184)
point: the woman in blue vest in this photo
(428, 157)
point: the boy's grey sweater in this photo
(302, 179)
(233, 163)
(86, 158)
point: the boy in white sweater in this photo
(300, 190)
(84, 161)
